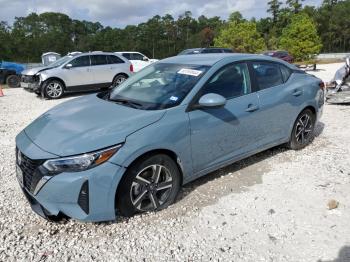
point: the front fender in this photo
(171, 133)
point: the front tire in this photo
(303, 130)
(53, 89)
(150, 184)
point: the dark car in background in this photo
(207, 50)
(284, 55)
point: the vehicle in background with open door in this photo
(77, 72)
(138, 60)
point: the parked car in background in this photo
(284, 55)
(10, 73)
(207, 50)
(49, 58)
(77, 72)
(129, 150)
(138, 60)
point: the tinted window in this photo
(112, 59)
(286, 72)
(80, 61)
(212, 50)
(127, 56)
(136, 56)
(98, 60)
(230, 81)
(228, 51)
(267, 74)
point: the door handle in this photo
(252, 108)
(297, 92)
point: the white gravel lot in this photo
(270, 207)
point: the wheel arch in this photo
(57, 79)
(149, 153)
(123, 74)
(310, 107)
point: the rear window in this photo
(112, 59)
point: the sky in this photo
(119, 13)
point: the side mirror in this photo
(68, 66)
(212, 100)
(145, 59)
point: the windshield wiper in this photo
(126, 102)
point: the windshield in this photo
(158, 86)
(61, 61)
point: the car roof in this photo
(211, 59)
(127, 52)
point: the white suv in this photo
(76, 73)
(137, 59)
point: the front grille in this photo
(30, 169)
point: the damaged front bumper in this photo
(30, 83)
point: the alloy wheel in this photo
(303, 129)
(151, 188)
(118, 80)
(54, 90)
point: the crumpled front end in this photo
(30, 82)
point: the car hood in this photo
(87, 124)
(35, 70)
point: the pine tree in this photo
(274, 9)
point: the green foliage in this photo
(300, 38)
(274, 9)
(295, 5)
(163, 36)
(241, 37)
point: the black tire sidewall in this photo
(13, 77)
(123, 202)
(115, 79)
(293, 144)
(45, 89)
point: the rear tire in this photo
(53, 89)
(13, 81)
(150, 184)
(303, 130)
(118, 79)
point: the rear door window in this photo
(267, 74)
(136, 56)
(127, 56)
(98, 60)
(80, 61)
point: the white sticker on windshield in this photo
(173, 98)
(190, 72)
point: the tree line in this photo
(301, 29)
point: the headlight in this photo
(81, 162)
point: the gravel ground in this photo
(270, 207)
